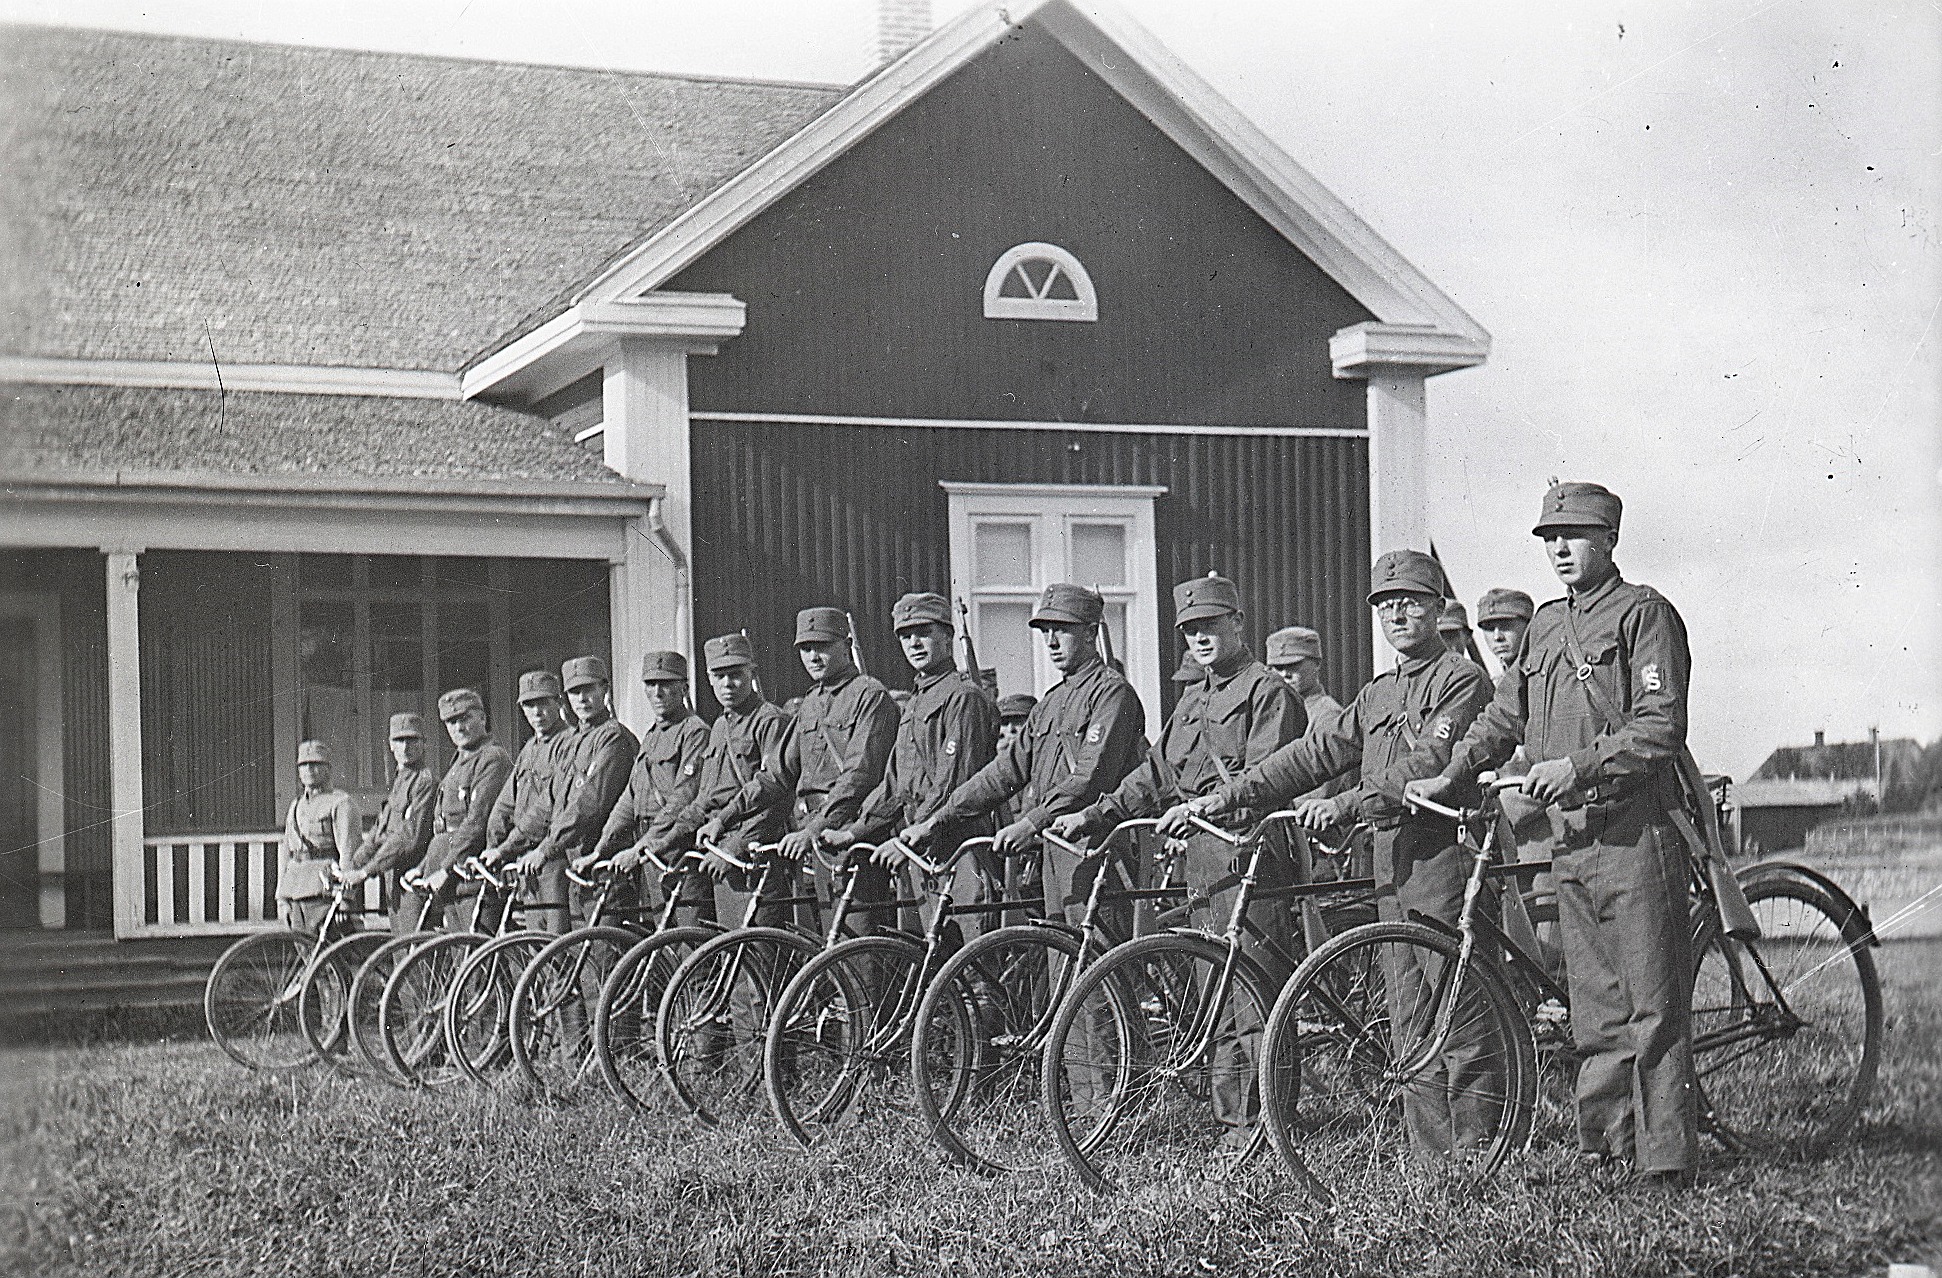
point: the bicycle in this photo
(326, 1009)
(1147, 1072)
(252, 1001)
(375, 972)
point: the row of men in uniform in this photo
(850, 766)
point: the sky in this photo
(1702, 236)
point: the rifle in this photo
(1106, 637)
(856, 649)
(987, 680)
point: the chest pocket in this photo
(1574, 698)
(1223, 734)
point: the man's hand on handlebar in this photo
(1176, 823)
(888, 854)
(1551, 780)
(1431, 789)
(1070, 826)
(797, 845)
(583, 865)
(917, 835)
(838, 839)
(1015, 838)
(1317, 814)
(628, 860)
(531, 863)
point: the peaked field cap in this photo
(1504, 605)
(407, 724)
(1406, 570)
(1069, 604)
(920, 609)
(456, 702)
(312, 752)
(538, 685)
(1017, 705)
(1291, 643)
(578, 672)
(664, 666)
(1201, 597)
(822, 625)
(1455, 616)
(724, 651)
(1575, 505)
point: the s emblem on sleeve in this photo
(1092, 735)
(1443, 728)
(950, 747)
(1649, 676)
(688, 771)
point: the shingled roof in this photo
(282, 205)
(128, 430)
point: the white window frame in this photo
(1083, 308)
(1055, 508)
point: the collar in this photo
(834, 685)
(1416, 663)
(476, 746)
(563, 728)
(1090, 670)
(661, 725)
(737, 716)
(1592, 598)
(1229, 666)
(594, 723)
(924, 682)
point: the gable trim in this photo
(290, 379)
(995, 423)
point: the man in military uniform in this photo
(524, 811)
(1454, 626)
(592, 765)
(844, 731)
(467, 796)
(1013, 709)
(665, 779)
(1295, 653)
(1401, 726)
(947, 732)
(1232, 719)
(1598, 700)
(1079, 743)
(1504, 616)
(396, 842)
(751, 734)
(319, 834)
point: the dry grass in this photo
(164, 1158)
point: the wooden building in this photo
(334, 379)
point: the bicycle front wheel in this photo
(715, 1015)
(978, 1046)
(1787, 1028)
(629, 1010)
(411, 1011)
(251, 1000)
(324, 1003)
(553, 1006)
(367, 992)
(1384, 1050)
(1149, 1073)
(479, 1005)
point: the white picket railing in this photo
(226, 881)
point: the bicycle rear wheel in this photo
(324, 1002)
(629, 1010)
(251, 1001)
(1360, 1075)
(715, 1015)
(553, 1006)
(479, 1006)
(1787, 1028)
(979, 1042)
(367, 992)
(1149, 1074)
(411, 1011)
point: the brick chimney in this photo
(900, 24)
(1820, 739)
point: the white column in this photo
(1399, 480)
(125, 735)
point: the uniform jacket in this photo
(319, 831)
(524, 810)
(1081, 740)
(468, 795)
(665, 779)
(1322, 710)
(397, 840)
(591, 770)
(1634, 642)
(1229, 721)
(948, 731)
(834, 757)
(1401, 726)
(740, 746)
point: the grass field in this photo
(165, 1158)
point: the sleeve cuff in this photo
(1584, 765)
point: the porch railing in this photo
(214, 884)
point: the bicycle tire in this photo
(1787, 1029)
(324, 1004)
(1132, 1078)
(713, 1019)
(629, 1010)
(549, 1026)
(367, 992)
(1344, 1056)
(250, 1001)
(411, 1011)
(979, 1093)
(838, 1038)
(478, 1008)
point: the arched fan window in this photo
(1039, 281)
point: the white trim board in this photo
(41, 610)
(288, 379)
(992, 423)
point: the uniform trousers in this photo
(1454, 1104)
(307, 913)
(1624, 922)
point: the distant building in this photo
(1798, 787)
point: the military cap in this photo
(538, 685)
(822, 625)
(1504, 605)
(1190, 671)
(1070, 604)
(1455, 616)
(1201, 597)
(724, 651)
(1017, 705)
(313, 752)
(456, 702)
(578, 672)
(1576, 505)
(1291, 643)
(664, 667)
(920, 610)
(406, 725)
(1410, 570)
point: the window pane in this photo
(1005, 644)
(1099, 554)
(326, 656)
(396, 572)
(1003, 554)
(455, 573)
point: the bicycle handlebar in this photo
(1489, 781)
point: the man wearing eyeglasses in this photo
(1401, 726)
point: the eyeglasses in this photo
(1410, 604)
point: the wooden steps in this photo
(49, 973)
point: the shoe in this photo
(1666, 1182)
